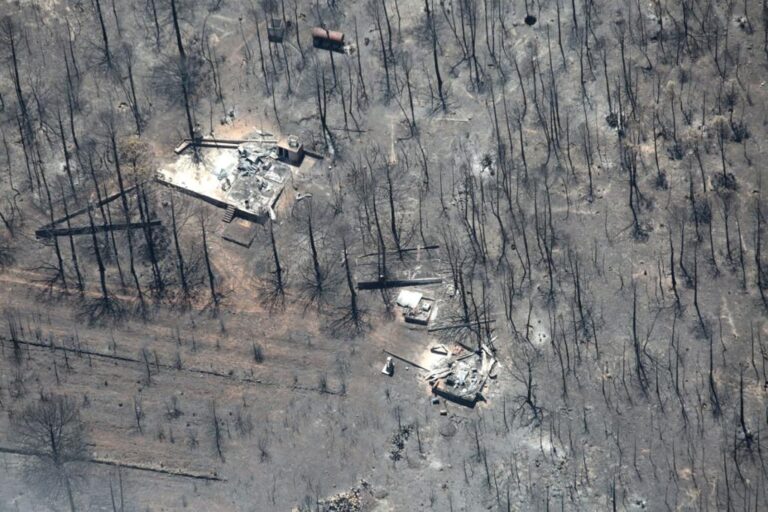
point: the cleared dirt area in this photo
(573, 190)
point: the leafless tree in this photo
(352, 318)
(51, 430)
(216, 427)
(274, 287)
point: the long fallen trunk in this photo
(211, 476)
(397, 283)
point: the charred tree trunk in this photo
(278, 285)
(183, 70)
(104, 36)
(186, 293)
(73, 249)
(209, 269)
(157, 277)
(127, 216)
(433, 41)
(99, 260)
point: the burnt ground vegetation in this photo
(592, 172)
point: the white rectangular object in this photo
(409, 299)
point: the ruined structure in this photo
(291, 150)
(245, 177)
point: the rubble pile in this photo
(460, 374)
(342, 502)
(398, 442)
(357, 499)
(257, 178)
(254, 157)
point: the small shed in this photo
(417, 309)
(328, 39)
(290, 150)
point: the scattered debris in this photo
(461, 376)
(229, 117)
(398, 441)
(439, 349)
(743, 23)
(357, 499)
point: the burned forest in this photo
(383, 255)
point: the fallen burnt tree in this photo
(397, 283)
(211, 476)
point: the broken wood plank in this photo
(439, 374)
(182, 146)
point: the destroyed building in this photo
(245, 177)
(460, 375)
